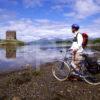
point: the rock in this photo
(16, 98)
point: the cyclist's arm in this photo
(79, 41)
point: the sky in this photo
(36, 19)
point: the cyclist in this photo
(76, 47)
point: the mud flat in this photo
(28, 84)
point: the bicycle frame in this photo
(66, 64)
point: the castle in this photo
(11, 35)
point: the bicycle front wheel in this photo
(61, 70)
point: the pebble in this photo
(16, 98)
(68, 90)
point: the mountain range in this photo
(47, 41)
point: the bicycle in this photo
(63, 69)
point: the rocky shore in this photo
(28, 84)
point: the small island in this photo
(11, 40)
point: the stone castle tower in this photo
(11, 35)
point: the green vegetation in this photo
(96, 40)
(63, 42)
(11, 42)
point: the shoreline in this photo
(28, 84)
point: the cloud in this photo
(28, 30)
(6, 15)
(54, 4)
(81, 9)
(71, 14)
(94, 28)
(85, 8)
(63, 2)
(32, 3)
(13, 1)
(94, 33)
(34, 29)
(97, 1)
(96, 22)
(59, 5)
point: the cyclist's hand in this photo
(74, 51)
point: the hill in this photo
(45, 41)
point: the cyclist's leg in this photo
(79, 59)
(76, 63)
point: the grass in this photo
(63, 42)
(96, 41)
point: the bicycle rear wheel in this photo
(61, 70)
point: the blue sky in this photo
(36, 19)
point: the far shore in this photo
(11, 42)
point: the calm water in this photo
(12, 58)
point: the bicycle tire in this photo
(91, 80)
(61, 70)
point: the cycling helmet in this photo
(75, 26)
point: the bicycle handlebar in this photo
(66, 50)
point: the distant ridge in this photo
(45, 41)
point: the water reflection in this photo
(10, 52)
(16, 57)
